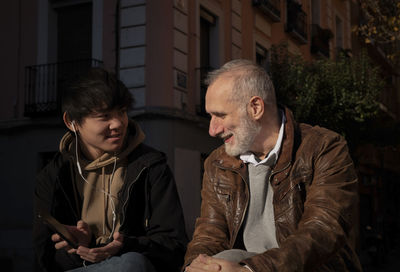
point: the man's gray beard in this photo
(244, 137)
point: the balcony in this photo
(271, 8)
(296, 22)
(45, 83)
(320, 40)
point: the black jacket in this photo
(149, 208)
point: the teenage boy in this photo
(115, 195)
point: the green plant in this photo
(380, 25)
(339, 94)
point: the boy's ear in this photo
(68, 123)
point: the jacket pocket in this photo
(223, 191)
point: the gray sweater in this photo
(259, 229)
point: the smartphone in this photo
(58, 228)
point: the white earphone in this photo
(76, 149)
(102, 191)
(73, 126)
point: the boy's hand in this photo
(99, 254)
(81, 232)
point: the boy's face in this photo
(102, 132)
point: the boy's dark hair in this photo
(98, 91)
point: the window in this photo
(262, 57)
(208, 51)
(320, 37)
(316, 12)
(296, 21)
(339, 33)
(67, 44)
(271, 8)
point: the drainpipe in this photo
(117, 33)
(17, 98)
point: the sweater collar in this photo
(273, 155)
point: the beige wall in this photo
(18, 48)
(159, 53)
(109, 39)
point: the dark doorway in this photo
(74, 35)
(74, 44)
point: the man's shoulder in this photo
(316, 138)
(309, 132)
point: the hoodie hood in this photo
(101, 180)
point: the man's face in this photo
(229, 120)
(102, 132)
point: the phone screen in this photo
(59, 228)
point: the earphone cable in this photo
(102, 191)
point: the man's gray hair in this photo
(249, 80)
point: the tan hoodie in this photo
(98, 190)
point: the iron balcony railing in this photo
(272, 8)
(296, 22)
(45, 83)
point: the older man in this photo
(278, 195)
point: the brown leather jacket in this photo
(315, 204)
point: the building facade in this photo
(161, 50)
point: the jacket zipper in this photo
(126, 200)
